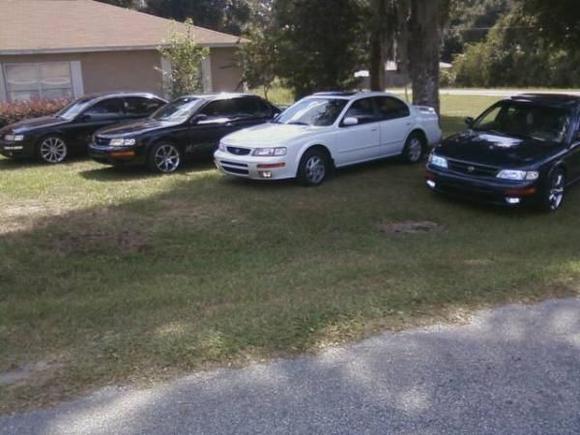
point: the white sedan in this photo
(329, 130)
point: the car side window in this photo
(219, 109)
(106, 109)
(391, 108)
(140, 106)
(252, 107)
(363, 110)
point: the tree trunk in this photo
(423, 51)
(377, 46)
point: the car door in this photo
(395, 125)
(140, 107)
(209, 125)
(360, 142)
(249, 111)
(101, 114)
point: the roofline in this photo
(105, 49)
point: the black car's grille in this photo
(472, 169)
(239, 151)
(102, 141)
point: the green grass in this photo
(113, 276)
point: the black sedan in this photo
(522, 150)
(188, 127)
(53, 138)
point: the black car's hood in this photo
(490, 148)
(34, 124)
(135, 128)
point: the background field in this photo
(109, 276)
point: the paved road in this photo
(514, 370)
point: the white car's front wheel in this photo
(314, 167)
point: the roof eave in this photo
(105, 49)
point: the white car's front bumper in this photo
(255, 168)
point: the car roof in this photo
(119, 94)
(354, 95)
(219, 96)
(556, 100)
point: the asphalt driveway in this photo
(511, 370)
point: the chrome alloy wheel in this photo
(315, 169)
(556, 192)
(415, 150)
(167, 158)
(53, 150)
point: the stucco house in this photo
(69, 48)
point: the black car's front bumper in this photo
(117, 155)
(480, 189)
(21, 149)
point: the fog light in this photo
(265, 174)
(431, 184)
(513, 201)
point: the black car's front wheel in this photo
(553, 196)
(164, 158)
(52, 149)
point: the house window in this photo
(27, 81)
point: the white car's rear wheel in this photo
(414, 148)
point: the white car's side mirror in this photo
(350, 121)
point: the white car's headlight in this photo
(14, 137)
(438, 161)
(120, 142)
(517, 175)
(270, 152)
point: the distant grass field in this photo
(114, 276)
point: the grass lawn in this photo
(112, 276)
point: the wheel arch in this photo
(315, 146)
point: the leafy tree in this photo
(259, 56)
(224, 15)
(319, 43)
(185, 56)
(558, 21)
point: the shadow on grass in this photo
(108, 173)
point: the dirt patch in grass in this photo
(32, 373)
(24, 215)
(410, 227)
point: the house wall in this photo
(226, 74)
(107, 71)
(136, 70)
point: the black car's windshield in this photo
(544, 123)
(73, 109)
(320, 112)
(177, 111)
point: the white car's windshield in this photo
(320, 112)
(177, 111)
(543, 123)
(73, 109)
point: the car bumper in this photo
(255, 168)
(24, 149)
(117, 155)
(482, 190)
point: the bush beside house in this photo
(18, 110)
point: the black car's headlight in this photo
(14, 137)
(518, 175)
(438, 161)
(122, 142)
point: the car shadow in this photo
(132, 172)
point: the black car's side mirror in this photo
(469, 121)
(198, 118)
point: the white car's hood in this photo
(268, 135)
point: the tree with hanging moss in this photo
(185, 57)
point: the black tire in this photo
(52, 149)
(164, 158)
(554, 193)
(414, 149)
(314, 167)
